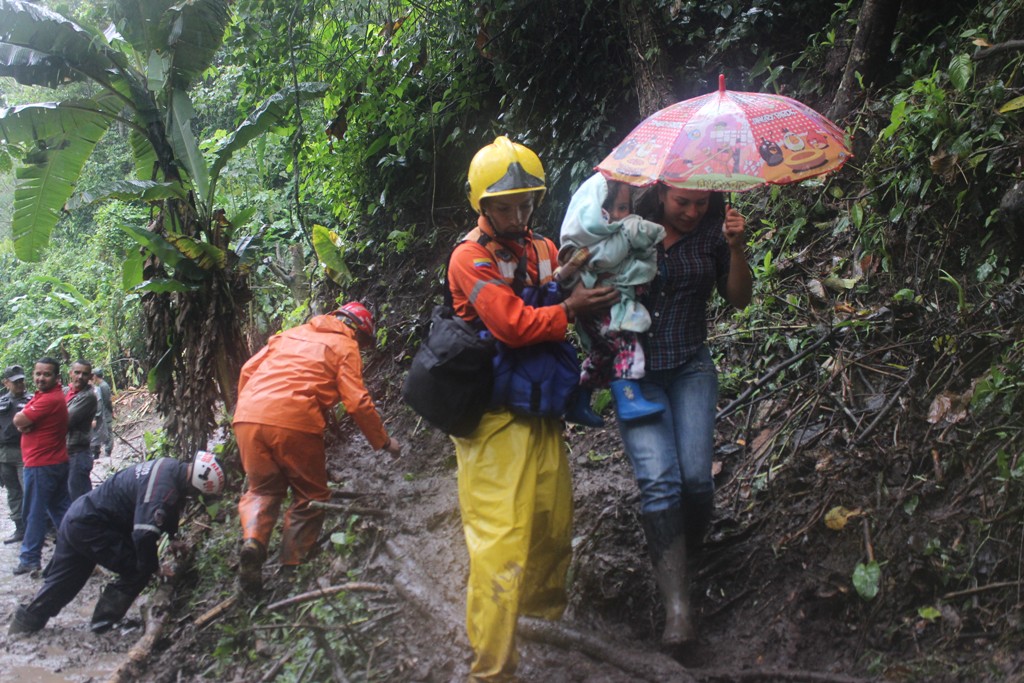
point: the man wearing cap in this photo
(284, 392)
(43, 424)
(103, 428)
(11, 403)
(118, 526)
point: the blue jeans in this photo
(671, 453)
(79, 472)
(46, 495)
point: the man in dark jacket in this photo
(117, 526)
(103, 427)
(82, 404)
(11, 402)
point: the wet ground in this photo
(66, 651)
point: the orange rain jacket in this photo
(303, 372)
(481, 288)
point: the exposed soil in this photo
(855, 425)
(66, 650)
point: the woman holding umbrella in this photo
(725, 141)
(703, 250)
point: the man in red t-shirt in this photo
(43, 424)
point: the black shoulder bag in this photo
(451, 378)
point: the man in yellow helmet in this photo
(514, 488)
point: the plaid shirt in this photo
(679, 294)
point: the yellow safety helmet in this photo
(504, 167)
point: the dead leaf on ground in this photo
(837, 518)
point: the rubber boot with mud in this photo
(666, 544)
(250, 566)
(25, 622)
(630, 402)
(579, 410)
(111, 607)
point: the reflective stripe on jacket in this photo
(481, 283)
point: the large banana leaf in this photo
(70, 46)
(138, 22)
(184, 268)
(31, 67)
(61, 135)
(195, 31)
(129, 190)
(203, 254)
(186, 149)
(276, 109)
(146, 162)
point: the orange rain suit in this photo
(515, 492)
(283, 393)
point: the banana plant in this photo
(141, 68)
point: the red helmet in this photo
(359, 319)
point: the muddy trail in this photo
(66, 650)
(867, 527)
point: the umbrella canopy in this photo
(729, 142)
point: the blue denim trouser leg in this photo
(671, 453)
(46, 495)
(79, 472)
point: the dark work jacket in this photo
(81, 411)
(142, 502)
(9, 407)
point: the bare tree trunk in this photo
(875, 26)
(653, 90)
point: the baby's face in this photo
(621, 206)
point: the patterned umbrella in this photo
(729, 142)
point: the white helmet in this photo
(207, 473)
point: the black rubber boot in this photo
(666, 543)
(25, 621)
(697, 511)
(110, 608)
(250, 566)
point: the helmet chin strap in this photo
(522, 234)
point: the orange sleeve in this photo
(356, 398)
(478, 291)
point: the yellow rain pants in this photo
(515, 495)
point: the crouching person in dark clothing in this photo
(117, 526)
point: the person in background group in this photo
(11, 403)
(43, 424)
(704, 249)
(515, 492)
(102, 440)
(118, 526)
(82, 407)
(284, 393)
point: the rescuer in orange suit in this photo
(283, 393)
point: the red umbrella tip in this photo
(721, 82)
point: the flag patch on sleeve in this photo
(481, 262)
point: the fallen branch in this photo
(771, 373)
(773, 676)
(215, 611)
(349, 509)
(884, 411)
(337, 670)
(326, 593)
(649, 666)
(996, 49)
(278, 665)
(156, 616)
(413, 585)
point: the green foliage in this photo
(866, 579)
